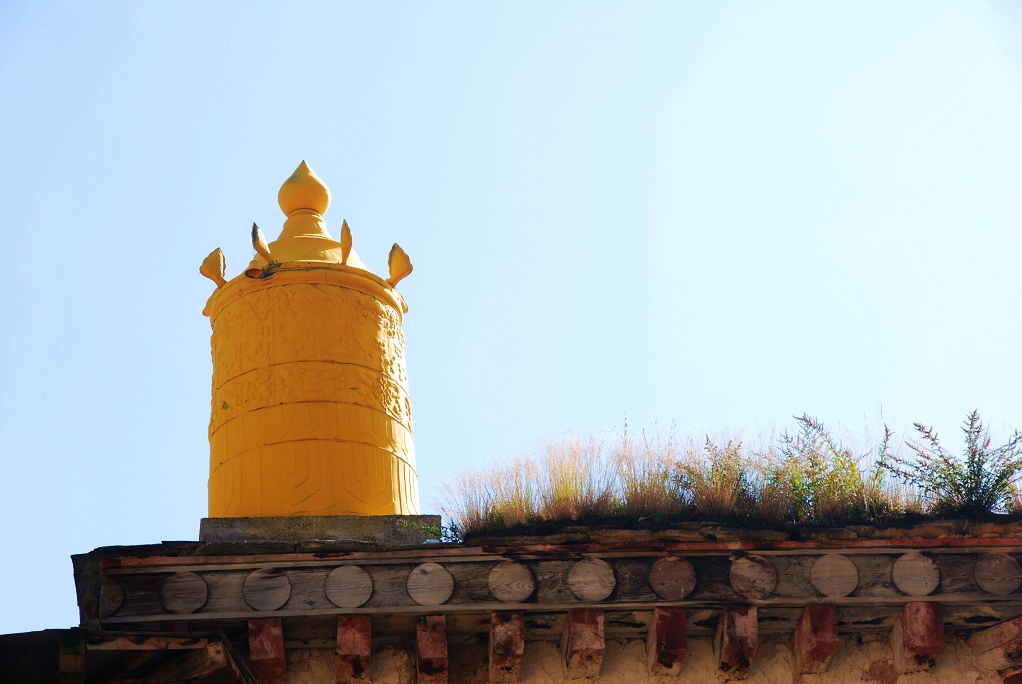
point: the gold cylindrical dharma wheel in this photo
(310, 412)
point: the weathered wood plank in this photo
(736, 640)
(354, 649)
(507, 647)
(582, 644)
(626, 624)
(973, 616)
(957, 573)
(192, 666)
(868, 606)
(102, 642)
(713, 578)
(468, 627)
(875, 574)
(961, 612)
(793, 576)
(857, 619)
(141, 595)
(471, 583)
(666, 642)
(753, 577)
(174, 626)
(917, 639)
(132, 662)
(552, 581)
(633, 579)
(308, 589)
(390, 585)
(544, 626)
(225, 593)
(266, 650)
(431, 663)
(815, 638)
(401, 628)
(214, 557)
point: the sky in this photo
(712, 216)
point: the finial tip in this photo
(303, 190)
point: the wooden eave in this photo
(119, 588)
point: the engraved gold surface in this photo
(310, 412)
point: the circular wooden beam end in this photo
(834, 575)
(266, 589)
(430, 584)
(591, 579)
(111, 596)
(753, 577)
(672, 578)
(915, 574)
(998, 574)
(511, 582)
(348, 586)
(183, 592)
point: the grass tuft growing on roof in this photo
(806, 477)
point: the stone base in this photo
(398, 530)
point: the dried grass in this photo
(513, 492)
(650, 475)
(467, 501)
(576, 480)
(494, 499)
(806, 478)
(717, 479)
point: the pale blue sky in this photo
(713, 214)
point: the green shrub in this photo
(979, 482)
(815, 479)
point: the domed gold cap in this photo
(304, 191)
(304, 240)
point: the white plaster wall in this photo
(625, 663)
